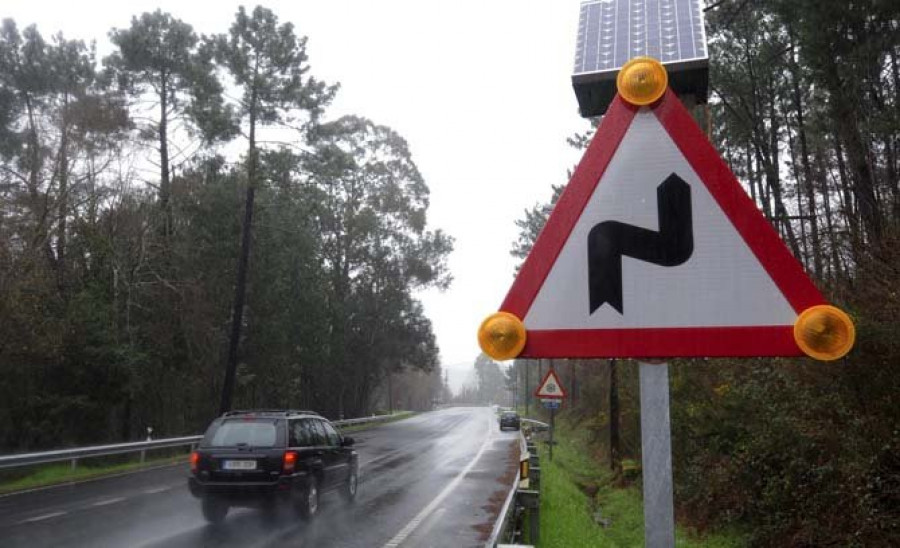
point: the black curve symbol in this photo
(610, 240)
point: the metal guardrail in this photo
(541, 426)
(75, 454)
(508, 527)
(363, 420)
(506, 519)
(72, 455)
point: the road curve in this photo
(436, 479)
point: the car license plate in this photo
(239, 465)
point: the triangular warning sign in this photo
(550, 387)
(655, 250)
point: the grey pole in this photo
(552, 426)
(656, 456)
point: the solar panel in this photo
(610, 32)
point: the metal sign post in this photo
(656, 456)
(552, 405)
(552, 427)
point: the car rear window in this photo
(234, 432)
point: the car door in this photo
(336, 468)
(308, 440)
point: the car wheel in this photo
(349, 491)
(308, 504)
(214, 509)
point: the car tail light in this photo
(195, 461)
(290, 462)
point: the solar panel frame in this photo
(610, 32)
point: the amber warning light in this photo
(502, 336)
(824, 332)
(642, 81)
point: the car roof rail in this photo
(252, 411)
(284, 412)
(302, 412)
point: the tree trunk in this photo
(63, 210)
(849, 204)
(39, 207)
(749, 156)
(164, 183)
(773, 179)
(895, 146)
(845, 117)
(808, 184)
(240, 288)
(792, 150)
(829, 219)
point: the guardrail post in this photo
(534, 475)
(74, 464)
(530, 499)
(143, 456)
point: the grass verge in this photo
(55, 474)
(576, 488)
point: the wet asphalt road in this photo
(437, 479)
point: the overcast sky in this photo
(479, 88)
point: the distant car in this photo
(266, 458)
(509, 419)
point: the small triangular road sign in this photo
(550, 387)
(655, 250)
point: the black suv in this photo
(262, 457)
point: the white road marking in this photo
(108, 501)
(43, 517)
(404, 533)
(157, 490)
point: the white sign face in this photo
(717, 282)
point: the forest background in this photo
(182, 204)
